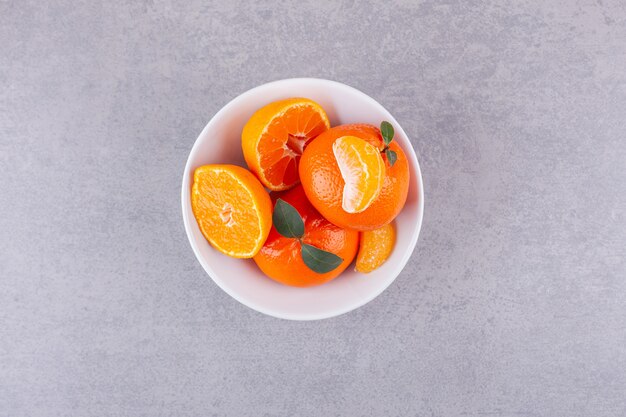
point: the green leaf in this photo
(319, 260)
(391, 157)
(287, 220)
(387, 131)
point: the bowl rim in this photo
(186, 194)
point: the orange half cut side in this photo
(233, 210)
(275, 136)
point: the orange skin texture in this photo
(323, 183)
(280, 257)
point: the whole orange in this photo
(323, 183)
(280, 258)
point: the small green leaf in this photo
(391, 157)
(387, 131)
(287, 220)
(319, 260)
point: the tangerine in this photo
(275, 136)
(280, 258)
(233, 210)
(323, 183)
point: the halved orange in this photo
(233, 210)
(363, 172)
(375, 247)
(275, 136)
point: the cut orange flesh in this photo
(362, 169)
(275, 136)
(233, 210)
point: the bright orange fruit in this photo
(281, 257)
(375, 246)
(233, 210)
(362, 170)
(324, 184)
(275, 136)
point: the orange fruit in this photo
(375, 246)
(281, 257)
(362, 170)
(323, 182)
(275, 136)
(233, 210)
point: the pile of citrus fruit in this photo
(334, 192)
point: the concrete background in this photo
(514, 303)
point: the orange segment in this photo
(363, 171)
(275, 136)
(233, 210)
(375, 247)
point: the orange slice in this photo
(362, 169)
(375, 247)
(275, 136)
(233, 210)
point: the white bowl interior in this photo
(220, 142)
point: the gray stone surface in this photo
(514, 303)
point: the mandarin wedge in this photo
(275, 136)
(323, 180)
(363, 172)
(233, 210)
(375, 246)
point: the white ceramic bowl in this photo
(220, 142)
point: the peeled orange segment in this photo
(375, 247)
(233, 210)
(275, 136)
(362, 169)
